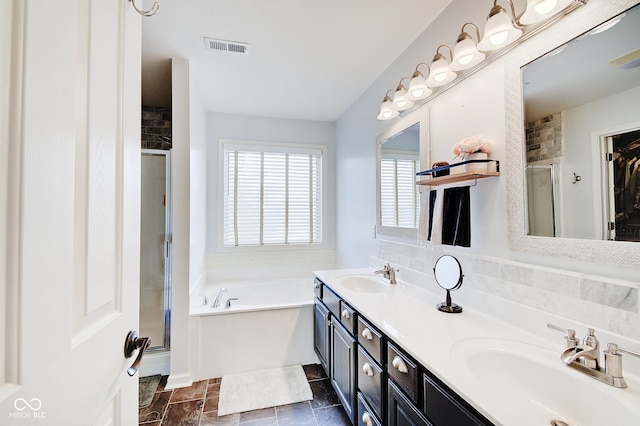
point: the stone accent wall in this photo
(156, 127)
(544, 138)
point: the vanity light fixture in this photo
(400, 100)
(500, 29)
(418, 85)
(466, 53)
(502, 32)
(539, 10)
(387, 110)
(440, 73)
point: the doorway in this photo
(623, 187)
(155, 248)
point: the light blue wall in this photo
(248, 128)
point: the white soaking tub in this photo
(270, 325)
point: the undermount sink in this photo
(534, 384)
(363, 283)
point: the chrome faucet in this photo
(586, 357)
(388, 273)
(588, 353)
(218, 298)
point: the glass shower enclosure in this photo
(155, 248)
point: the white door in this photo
(70, 200)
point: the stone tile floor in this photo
(197, 405)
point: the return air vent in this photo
(226, 46)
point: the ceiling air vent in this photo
(226, 45)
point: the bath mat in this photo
(263, 388)
(146, 389)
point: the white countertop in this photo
(408, 315)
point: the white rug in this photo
(263, 388)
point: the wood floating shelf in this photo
(457, 177)
(472, 175)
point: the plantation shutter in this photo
(399, 197)
(272, 195)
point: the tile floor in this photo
(197, 405)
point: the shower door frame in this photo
(168, 251)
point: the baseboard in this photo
(178, 381)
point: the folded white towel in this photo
(436, 227)
(423, 223)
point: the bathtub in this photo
(270, 325)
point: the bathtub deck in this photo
(197, 405)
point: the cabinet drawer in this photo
(366, 417)
(404, 371)
(371, 339)
(370, 381)
(331, 300)
(348, 317)
(443, 408)
(317, 288)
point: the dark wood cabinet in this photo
(401, 411)
(322, 334)
(377, 381)
(343, 365)
(444, 407)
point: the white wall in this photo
(245, 263)
(198, 185)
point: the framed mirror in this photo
(402, 151)
(562, 196)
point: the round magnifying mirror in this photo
(448, 274)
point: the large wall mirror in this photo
(402, 151)
(573, 134)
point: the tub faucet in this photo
(218, 298)
(388, 273)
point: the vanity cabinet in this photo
(322, 333)
(377, 382)
(443, 407)
(342, 366)
(402, 411)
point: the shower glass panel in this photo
(155, 248)
(541, 206)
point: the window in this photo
(399, 198)
(272, 195)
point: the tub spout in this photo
(218, 298)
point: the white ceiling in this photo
(306, 60)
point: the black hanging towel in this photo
(456, 220)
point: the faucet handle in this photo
(613, 363)
(614, 349)
(570, 334)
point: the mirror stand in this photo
(449, 307)
(448, 274)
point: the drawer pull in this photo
(366, 368)
(399, 364)
(366, 333)
(367, 420)
(345, 314)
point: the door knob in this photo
(133, 343)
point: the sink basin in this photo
(363, 283)
(530, 382)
